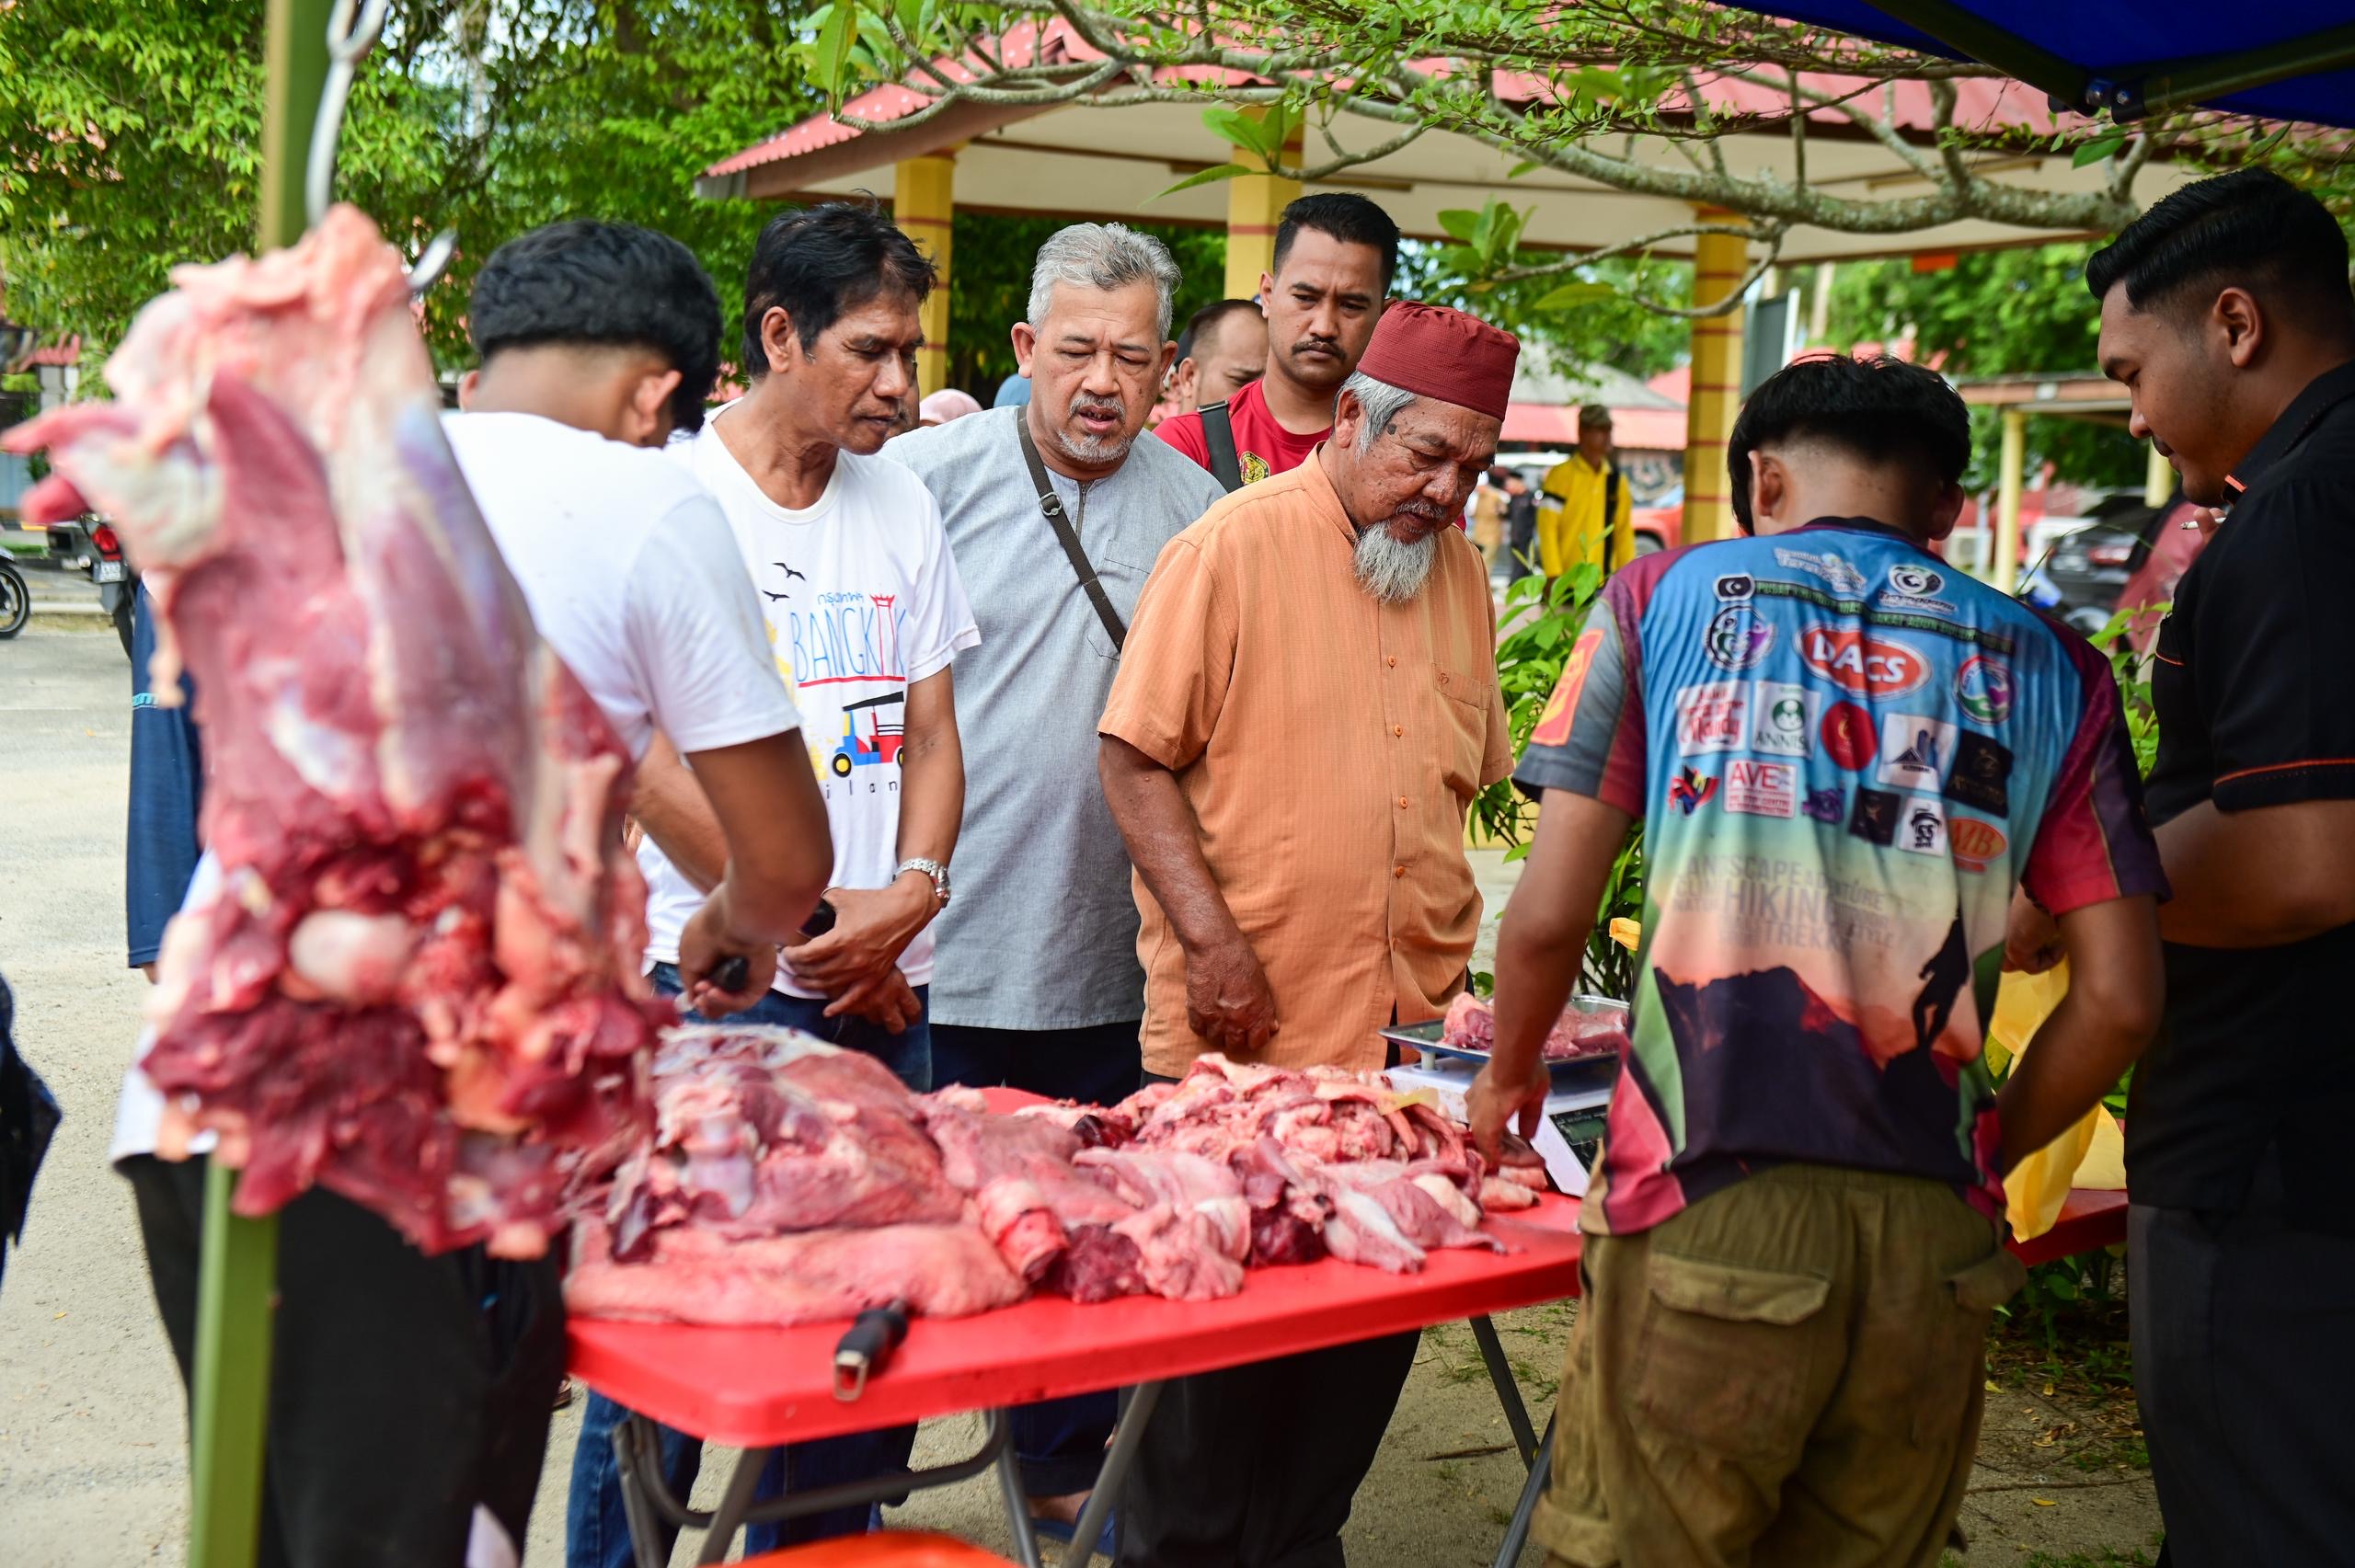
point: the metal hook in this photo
(352, 30)
(433, 261)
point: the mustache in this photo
(1321, 344)
(1111, 407)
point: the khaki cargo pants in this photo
(1788, 1372)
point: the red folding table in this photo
(760, 1389)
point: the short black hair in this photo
(590, 284)
(2250, 227)
(1206, 319)
(1880, 411)
(819, 263)
(1347, 217)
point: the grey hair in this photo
(1103, 256)
(1381, 401)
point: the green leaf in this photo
(1263, 134)
(1206, 177)
(835, 35)
(1461, 223)
(1527, 165)
(1570, 295)
(1236, 128)
(2094, 149)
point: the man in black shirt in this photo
(2225, 312)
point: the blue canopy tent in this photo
(2281, 60)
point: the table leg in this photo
(1017, 1508)
(1129, 1431)
(1517, 1533)
(634, 1458)
(1492, 1351)
(729, 1517)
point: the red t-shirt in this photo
(1261, 446)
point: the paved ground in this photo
(91, 1415)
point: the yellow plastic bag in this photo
(2092, 1153)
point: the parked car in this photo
(2090, 572)
(90, 547)
(1659, 526)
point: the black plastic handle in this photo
(862, 1352)
(732, 974)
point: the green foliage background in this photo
(1995, 312)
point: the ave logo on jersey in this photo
(1783, 716)
(1713, 717)
(1761, 789)
(1862, 664)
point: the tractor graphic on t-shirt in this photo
(882, 742)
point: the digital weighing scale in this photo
(1572, 1129)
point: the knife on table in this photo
(862, 1352)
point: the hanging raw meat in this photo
(417, 983)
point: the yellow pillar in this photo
(1254, 203)
(1719, 263)
(924, 201)
(2004, 570)
(2158, 480)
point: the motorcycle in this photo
(16, 603)
(91, 545)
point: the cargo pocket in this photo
(1718, 1364)
(1955, 1359)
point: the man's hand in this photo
(872, 928)
(709, 940)
(2032, 941)
(886, 998)
(1496, 1099)
(148, 970)
(1228, 1000)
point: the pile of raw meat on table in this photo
(416, 980)
(788, 1182)
(1470, 1025)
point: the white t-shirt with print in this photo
(863, 600)
(633, 578)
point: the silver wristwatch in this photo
(931, 868)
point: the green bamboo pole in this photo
(236, 1289)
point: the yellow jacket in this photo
(1570, 518)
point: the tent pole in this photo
(238, 1277)
(2003, 571)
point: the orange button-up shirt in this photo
(1329, 746)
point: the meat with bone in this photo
(758, 1132)
(418, 982)
(1326, 1161)
(695, 1275)
(1470, 1025)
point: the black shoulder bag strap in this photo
(1218, 434)
(1053, 505)
(1609, 518)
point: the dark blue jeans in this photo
(1058, 1443)
(596, 1527)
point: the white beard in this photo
(1084, 448)
(1392, 572)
